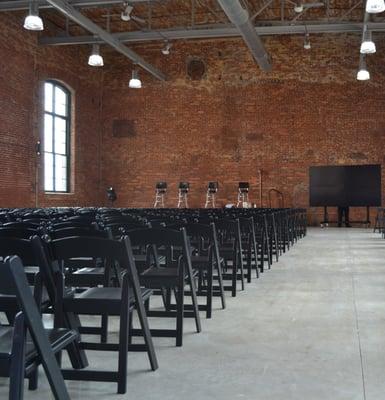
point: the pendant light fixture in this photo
(95, 59)
(375, 6)
(363, 73)
(367, 44)
(32, 21)
(135, 82)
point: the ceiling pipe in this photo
(90, 26)
(240, 18)
(215, 32)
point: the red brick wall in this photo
(309, 111)
(24, 67)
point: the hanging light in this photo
(135, 82)
(95, 59)
(363, 73)
(126, 14)
(306, 43)
(298, 8)
(32, 21)
(367, 44)
(166, 48)
(375, 6)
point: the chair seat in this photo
(156, 277)
(59, 339)
(202, 261)
(86, 276)
(97, 300)
(9, 302)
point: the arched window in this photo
(57, 121)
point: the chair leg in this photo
(179, 313)
(104, 329)
(146, 334)
(130, 325)
(33, 380)
(123, 349)
(242, 270)
(249, 263)
(17, 365)
(234, 280)
(194, 299)
(209, 303)
(77, 355)
(221, 287)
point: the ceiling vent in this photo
(196, 69)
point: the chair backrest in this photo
(32, 252)
(76, 231)
(92, 248)
(162, 240)
(22, 225)
(69, 224)
(208, 234)
(21, 233)
(13, 282)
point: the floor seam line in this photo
(358, 335)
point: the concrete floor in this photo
(311, 328)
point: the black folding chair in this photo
(171, 276)
(111, 301)
(207, 260)
(27, 344)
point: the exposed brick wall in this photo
(309, 111)
(24, 67)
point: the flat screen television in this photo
(350, 185)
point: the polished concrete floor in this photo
(313, 327)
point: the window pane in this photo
(47, 132)
(48, 92)
(60, 135)
(60, 101)
(48, 172)
(60, 173)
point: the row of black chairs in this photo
(111, 262)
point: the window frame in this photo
(68, 119)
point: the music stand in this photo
(160, 192)
(184, 188)
(243, 194)
(212, 190)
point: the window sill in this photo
(59, 193)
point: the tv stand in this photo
(326, 221)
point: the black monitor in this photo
(243, 187)
(213, 187)
(344, 186)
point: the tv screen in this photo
(352, 185)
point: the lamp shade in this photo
(367, 44)
(375, 6)
(95, 59)
(33, 23)
(135, 82)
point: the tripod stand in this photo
(243, 199)
(159, 198)
(182, 199)
(210, 199)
